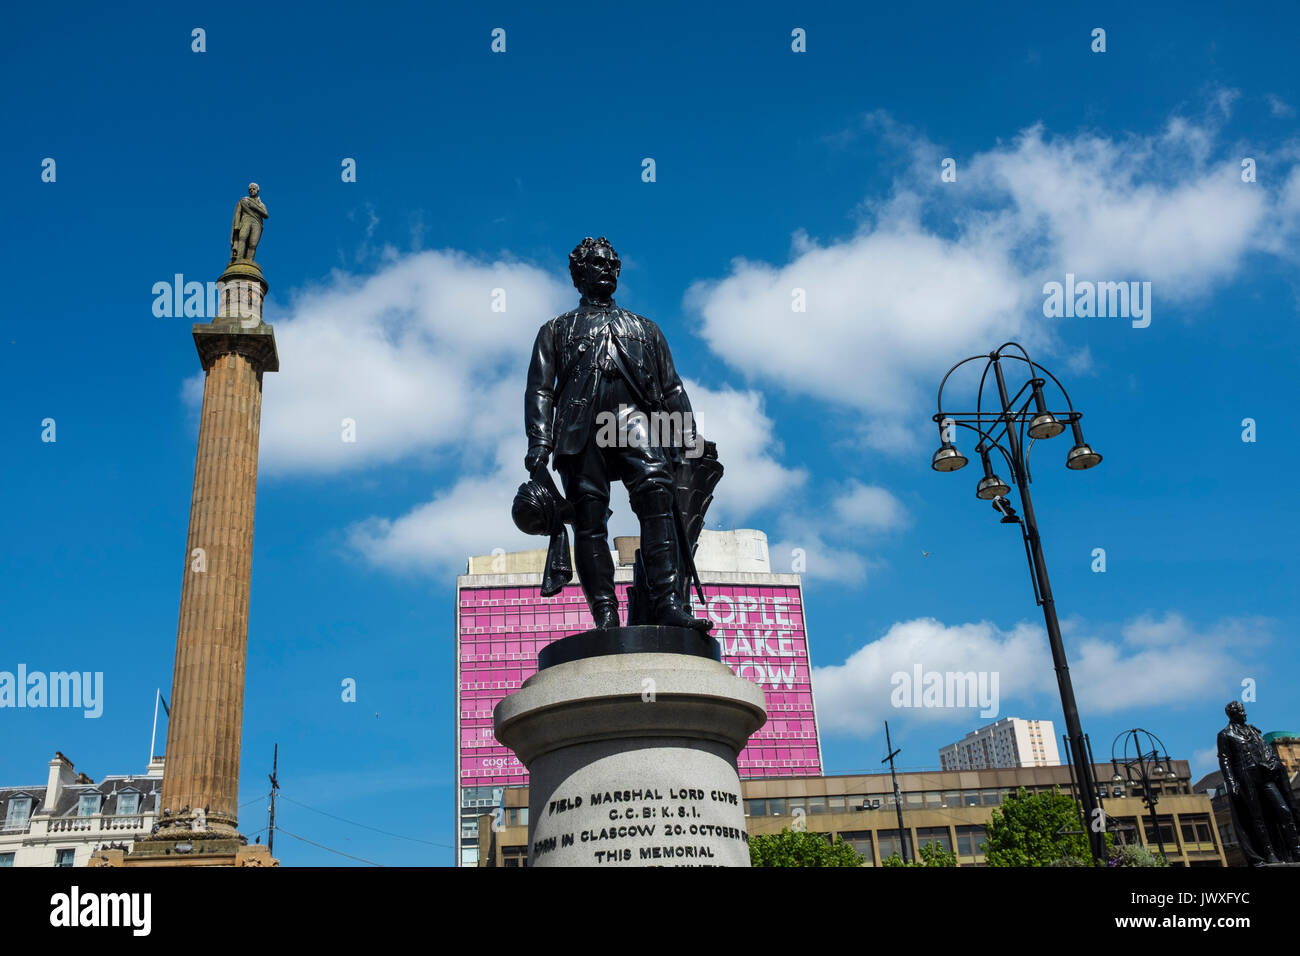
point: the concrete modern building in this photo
(69, 818)
(952, 808)
(502, 622)
(1010, 742)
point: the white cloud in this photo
(413, 354)
(854, 697)
(870, 507)
(1279, 107)
(748, 447)
(1204, 761)
(804, 551)
(939, 271)
(1150, 662)
(878, 305)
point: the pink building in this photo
(502, 622)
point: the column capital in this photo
(222, 337)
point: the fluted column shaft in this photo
(204, 733)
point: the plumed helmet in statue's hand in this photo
(539, 508)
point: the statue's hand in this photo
(537, 456)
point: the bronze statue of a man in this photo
(246, 228)
(592, 367)
(1263, 808)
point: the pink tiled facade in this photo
(763, 639)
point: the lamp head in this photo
(1044, 424)
(947, 457)
(990, 486)
(1081, 456)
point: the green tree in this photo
(1030, 830)
(803, 848)
(1134, 855)
(932, 854)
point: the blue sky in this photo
(774, 170)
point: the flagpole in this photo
(153, 738)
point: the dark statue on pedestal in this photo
(1264, 811)
(605, 402)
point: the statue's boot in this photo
(1263, 844)
(593, 562)
(659, 552)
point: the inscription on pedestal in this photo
(645, 824)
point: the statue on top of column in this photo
(246, 228)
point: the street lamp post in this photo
(1031, 415)
(1147, 763)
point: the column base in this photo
(221, 851)
(632, 760)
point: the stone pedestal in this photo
(187, 853)
(240, 292)
(632, 758)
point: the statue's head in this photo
(253, 190)
(594, 266)
(1236, 712)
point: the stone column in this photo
(204, 731)
(632, 756)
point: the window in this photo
(517, 817)
(933, 799)
(6, 859)
(816, 804)
(89, 805)
(860, 840)
(19, 813)
(990, 798)
(890, 844)
(128, 804)
(516, 856)
(1166, 830)
(837, 804)
(913, 801)
(971, 798)
(776, 806)
(64, 857)
(756, 808)
(937, 835)
(1124, 829)
(1197, 830)
(952, 798)
(970, 840)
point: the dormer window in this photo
(128, 804)
(89, 805)
(19, 813)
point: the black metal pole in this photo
(903, 837)
(1078, 752)
(1147, 795)
(275, 785)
